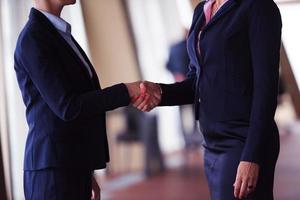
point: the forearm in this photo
(100, 101)
(261, 124)
(91, 104)
(178, 93)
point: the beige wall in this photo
(110, 43)
(112, 53)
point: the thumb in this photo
(93, 195)
(143, 88)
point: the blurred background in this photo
(157, 155)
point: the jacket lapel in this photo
(228, 6)
(88, 62)
(75, 56)
(37, 15)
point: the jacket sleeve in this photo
(179, 93)
(265, 40)
(46, 72)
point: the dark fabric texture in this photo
(233, 83)
(223, 149)
(65, 108)
(236, 76)
(220, 169)
(57, 184)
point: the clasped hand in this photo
(144, 95)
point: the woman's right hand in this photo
(246, 179)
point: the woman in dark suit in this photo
(234, 50)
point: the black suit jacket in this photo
(236, 76)
(65, 109)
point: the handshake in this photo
(144, 95)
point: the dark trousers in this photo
(58, 184)
(221, 168)
(222, 157)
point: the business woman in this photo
(65, 108)
(234, 48)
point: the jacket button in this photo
(199, 100)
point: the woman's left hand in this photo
(246, 179)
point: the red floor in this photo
(287, 180)
(175, 185)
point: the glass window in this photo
(156, 25)
(291, 34)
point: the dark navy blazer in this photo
(235, 79)
(65, 108)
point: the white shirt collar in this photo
(58, 23)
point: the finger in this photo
(237, 187)
(148, 106)
(134, 99)
(149, 109)
(98, 196)
(156, 100)
(157, 94)
(249, 191)
(251, 183)
(140, 100)
(243, 190)
(153, 103)
(255, 179)
(143, 87)
(93, 195)
(145, 102)
(251, 186)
